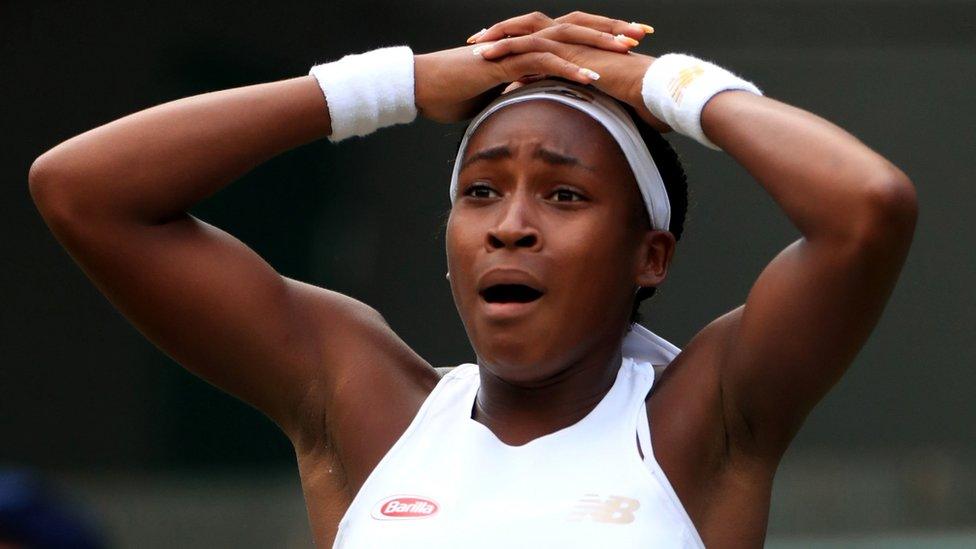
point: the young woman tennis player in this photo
(575, 427)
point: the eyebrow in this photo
(546, 155)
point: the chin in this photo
(518, 355)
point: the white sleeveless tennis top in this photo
(449, 482)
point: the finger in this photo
(536, 42)
(519, 44)
(524, 65)
(606, 24)
(516, 26)
(568, 33)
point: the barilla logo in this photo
(404, 507)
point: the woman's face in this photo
(547, 240)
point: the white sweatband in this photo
(368, 91)
(676, 88)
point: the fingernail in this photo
(592, 75)
(479, 49)
(626, 40)
(475, 36)
(646, 28)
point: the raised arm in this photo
(116, 197)
(814, 306)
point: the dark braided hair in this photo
(675, 182)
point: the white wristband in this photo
(368, 91)
(676, 88)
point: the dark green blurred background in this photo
(86, 399)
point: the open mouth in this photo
(510, 293)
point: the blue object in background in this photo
(33, 515)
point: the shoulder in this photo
(686, 404)
(696, 367)
(693, 438)
(368, 384)
(461, 370)
(692, 406)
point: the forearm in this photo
(828, 183)
(155, 164)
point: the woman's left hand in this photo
(572, 37)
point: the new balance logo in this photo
(613, 510)
(682, 80)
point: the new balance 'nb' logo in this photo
(614, 509)
(682, 80)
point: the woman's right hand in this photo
(453, 85)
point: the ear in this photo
(654, 257)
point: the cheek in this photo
(594, 267)
(463, 239)
(592, 248)
(588, 270)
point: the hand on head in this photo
(452, 85)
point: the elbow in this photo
(48, 190)
(38, 177)
(891, 207)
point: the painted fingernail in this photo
(479, 49)
(646, 28)
(626, 40)
(592, 75)
(475, 36)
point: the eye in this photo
(566, 195)
(479, 190)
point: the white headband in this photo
(605, 110)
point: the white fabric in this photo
(643, 345)
(368, 91)
(676, 88)
(449, 482)
(605, 110)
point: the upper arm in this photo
(806, 317)
(222, 312)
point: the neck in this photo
(518, 414)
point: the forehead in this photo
(552, 125)
(544, 124)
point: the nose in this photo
(515, 228)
